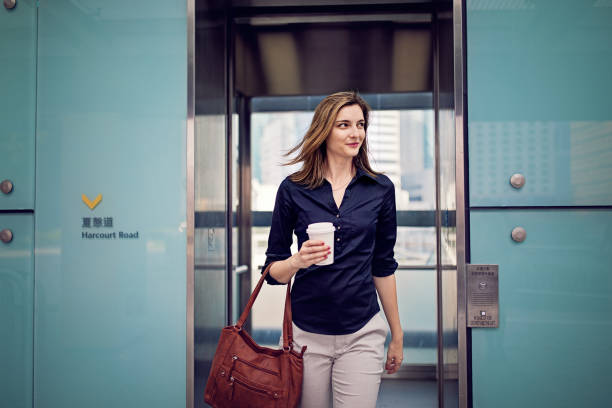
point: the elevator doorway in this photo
(261, 69)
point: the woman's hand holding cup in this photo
(311, 252)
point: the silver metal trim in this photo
(438, 213)
(459, 61)
(240, 269)
(422, 372)
(229, 157)
(190, 162)
(414, 372)
(403, 18)
(423, 267)
(245, 216)
(399, 268)
(394, 101)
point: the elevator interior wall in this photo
(321, 58)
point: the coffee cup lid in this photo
(320, 227)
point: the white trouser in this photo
(345, 368)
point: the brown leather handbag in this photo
(244, 374)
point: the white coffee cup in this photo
(323, 231)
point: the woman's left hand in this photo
(395, 355)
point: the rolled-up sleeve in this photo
(281, 230)
(383, 262)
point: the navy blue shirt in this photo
(339, 298)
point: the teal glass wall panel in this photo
(110, 324)
(16, 311)
(18, 103)
(552, 347)
(538, 102)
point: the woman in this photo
(335, 308)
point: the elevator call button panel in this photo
(482, 295)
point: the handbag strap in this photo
(287, 321)
(287, 318)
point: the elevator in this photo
(261, 67)
(178, 113)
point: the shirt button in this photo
(337, 239)
(338, 215)
(338, 227)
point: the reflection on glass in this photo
(209, 244)
(210, 158)
(235, 164)
(272, 135)
(417, 308)
(447, 159)
(235, 200)
(449, 323)
(416, 190)
(415, 246)
(448, 238)
(449, 245)
(400, 143)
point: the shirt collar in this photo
(361, 172)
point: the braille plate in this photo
(483, 295)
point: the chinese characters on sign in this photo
(483, 273)
(97, 222)
(483, 295)
(97, 227)
(104, 222)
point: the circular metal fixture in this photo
(517, 180)
(519, 234)
(10, 4)
(6, 236)
(6, 186)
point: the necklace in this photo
(345, 184)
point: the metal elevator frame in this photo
(243, 217)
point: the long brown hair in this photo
(312, 148)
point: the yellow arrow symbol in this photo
(91, 204)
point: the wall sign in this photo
(102, 226)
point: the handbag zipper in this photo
(267, 393)
(235, 359)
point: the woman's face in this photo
(347, 133)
